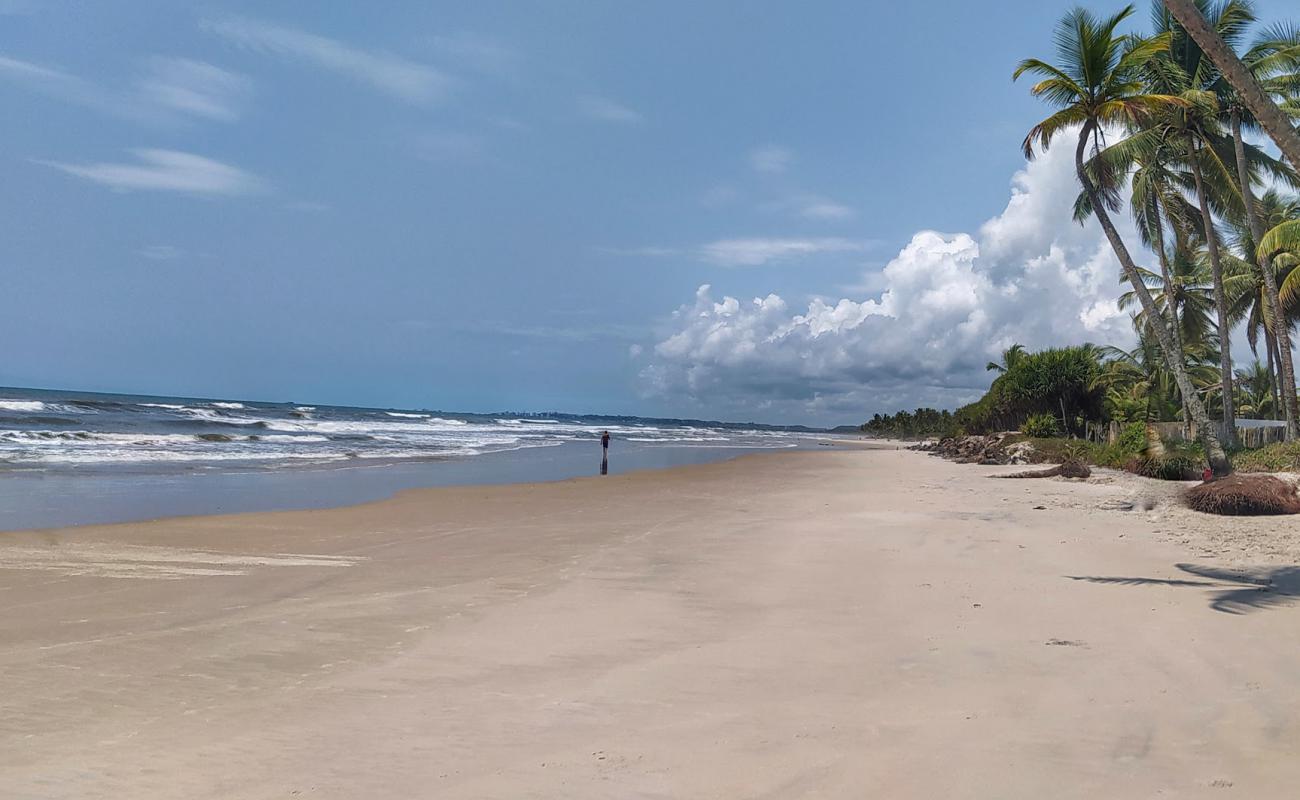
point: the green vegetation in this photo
(1040, 426)
(1159, 124)
(923, 423)
(1280, 457)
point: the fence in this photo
(1250, 432)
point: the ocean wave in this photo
(22, 405)
(404, 415)
(168, 406)
(208, 415)
(229, 406)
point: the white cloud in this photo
(171, 88)
(759, 251)
(603, 109)
(167, 171)
(948, 304)
(398, 77)
(53, 82)
(160, 252)
(825, 209)
(478, 52)
(770, 158)
(196, 88)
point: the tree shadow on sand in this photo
(1241, 591)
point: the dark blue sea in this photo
(70, 458)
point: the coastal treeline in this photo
(1158, 120)
(1164, 124)
(923, 423)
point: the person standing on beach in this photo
(604, 452)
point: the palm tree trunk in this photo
(1270, 117)
(1171, 302)
(1218, 460)
(1270, 343)
(1285, 365)
(1220, 302)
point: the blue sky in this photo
(492, 205)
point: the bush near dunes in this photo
(1280, 457)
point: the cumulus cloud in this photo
(395, 76)
(602, 109)
(948, 304)
(167, 171)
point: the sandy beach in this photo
(865, 622)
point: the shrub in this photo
(1279, 457)
(1133, 438)
(1040, 426)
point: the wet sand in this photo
(843, 623)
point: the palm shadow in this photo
(1240, 591)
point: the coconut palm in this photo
(1184, 70)
(1249, 294)
(1256, 392)
(1271, 60)
(1185, 295)
(1253, 96)
(1096, 84)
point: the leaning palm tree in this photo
(1271, 117)
(1097, 84)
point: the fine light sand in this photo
(847, 623)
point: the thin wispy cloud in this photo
(603, 109)
(196, 87)
(52, 81)
(395, 76)
(770, 158)
(810, 206)
(820, 208)
(479, 53)
(746, 252)
(160, 252)
(171, 88)
(756, 252)
(166, 171)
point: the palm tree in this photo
(1271, 60)
(1249, 293)
(1184, 293)
(1098, 83)
(1185, 71)
(1257, 395)
(1271, 118)
(1010, 357)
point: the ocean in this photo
(75, 457)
